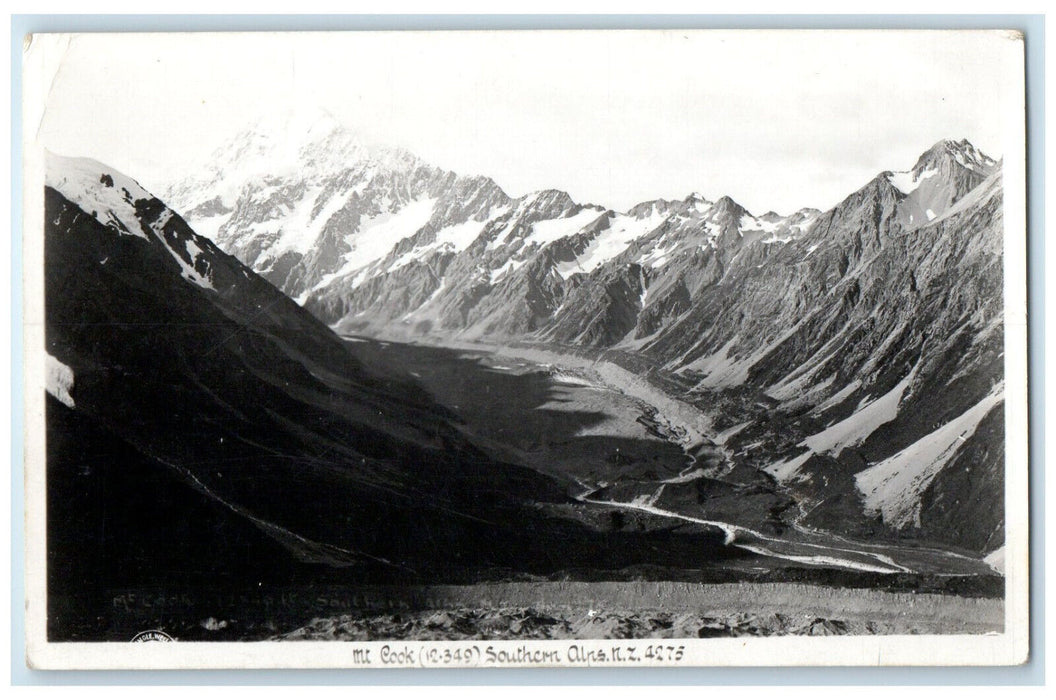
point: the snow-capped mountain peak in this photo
(122, 205)
(960, 152)
(948, 160)
(942, 175)
(109, 196)
(726, 205)
(309, 145)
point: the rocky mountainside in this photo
(874, 355)
(854, 354)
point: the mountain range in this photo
(853, 355)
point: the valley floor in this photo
(632, 455)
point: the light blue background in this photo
(1033, 673)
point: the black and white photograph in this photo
(525, 348)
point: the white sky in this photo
(777, 120)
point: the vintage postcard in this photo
(525, 348)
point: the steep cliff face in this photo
(845, 346)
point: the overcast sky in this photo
(777, 120)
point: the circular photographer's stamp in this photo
(152, 636)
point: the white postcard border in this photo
(1008, 648)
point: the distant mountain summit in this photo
(960, 152)
(301, 198)
(942, 175)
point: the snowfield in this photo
(111, 199)
(509, 266)
(374, 239)
(112, 204)
(787, 470)
(906, 183)
(610, 242)
(996, 560)
(58, 380)
(455, 238)
(546, 232)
